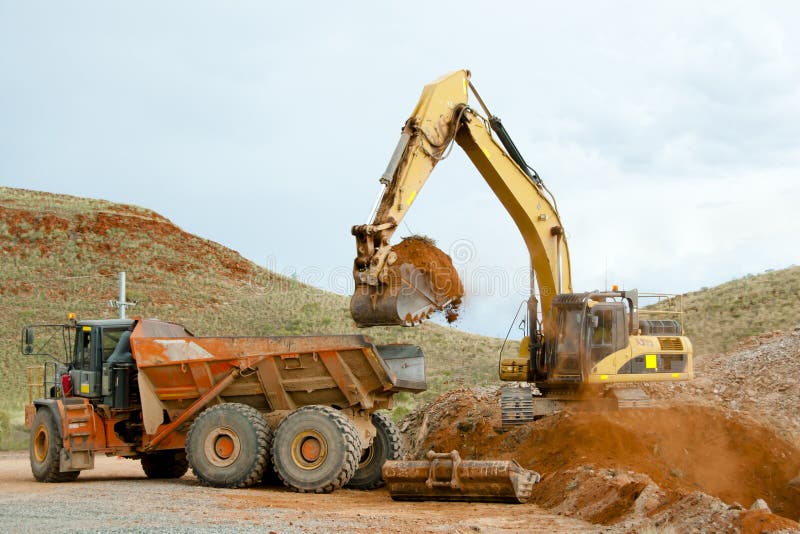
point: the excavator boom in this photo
(392, 289)
(585, 341)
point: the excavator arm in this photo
(587, 340)
(442, 117)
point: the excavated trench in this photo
(613, 466)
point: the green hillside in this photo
(718, 318)
(61, 254)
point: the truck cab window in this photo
(83, 350)
(110, 340)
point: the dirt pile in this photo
(761, 377)
(437, 268)
(625, 466)
(630, 502)
(603, 496)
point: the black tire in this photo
(316, 449)
(271, 478)
(385, 446)
(165, 464)
(228, 446)
(45, 449)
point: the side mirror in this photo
(594, 321)
(27, 335)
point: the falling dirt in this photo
(614, 457)
(437, 266)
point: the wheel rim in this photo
(309, 449)
(367, 456)
(222, 446)
(41, 443)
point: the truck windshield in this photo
(110, 340)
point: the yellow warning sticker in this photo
(650, 361)
(84, 388)
(412, 197)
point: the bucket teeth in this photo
(406, 301)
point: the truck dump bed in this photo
(270, 373)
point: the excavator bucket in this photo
(406, 300)
(446, 477)
(419, 280)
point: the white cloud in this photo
(667, 131)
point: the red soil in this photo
(436, 266)
(682, 448)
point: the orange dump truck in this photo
(234, 409)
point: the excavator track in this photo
(516, 405)
(631, 398)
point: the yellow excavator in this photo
(583, 341)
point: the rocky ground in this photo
(719, 454)
(761, 377)
(116, 497)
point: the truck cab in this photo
(102, 366)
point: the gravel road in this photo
(116, 497)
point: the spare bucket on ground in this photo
(446, 477)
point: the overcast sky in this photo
(669, 133)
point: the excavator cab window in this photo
(570, 326)
(602, 335)
(611, 332)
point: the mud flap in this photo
(446, 477)
(76, 460)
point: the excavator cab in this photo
(608, 330)
(567, 341)
(586, 329)
(568, 347)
